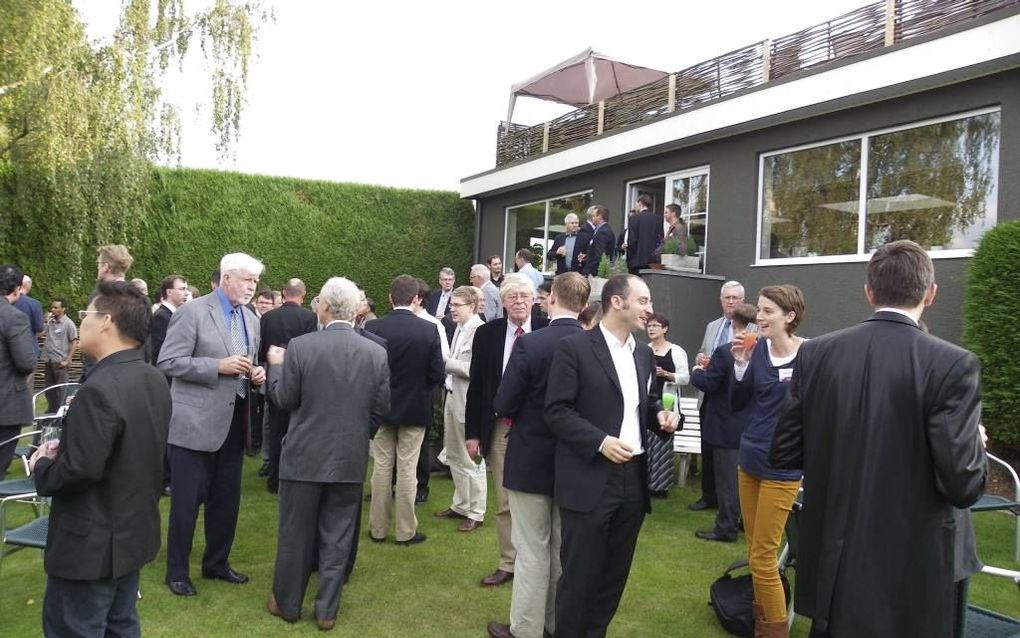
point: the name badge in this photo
(58, 331)
(785, 374)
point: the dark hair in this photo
(546, 286)
(10, 278)
(491, 257)
(617, 286)
(403, 290)
(168, 284)
(424, 289)
(371, 304)
(789, 298)
(214, 278)
(899, 274)
(745, 313)
(128, 309)
(663, 321)
(593, 312)
(525, 254)
(572, 291)
(646, 199)
(675, 209)
(60, 300)
(266, 294)
(601, 211)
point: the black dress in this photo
(660, 452)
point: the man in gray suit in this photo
(717, 333)
(17, 360)
(335, 385)
(209, 351)
(491, 306)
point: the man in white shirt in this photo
(523, 262)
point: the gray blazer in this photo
(17, 360)
(203, 399)
(335, 383)
(492, 307)
(458, 366)
(708, 346)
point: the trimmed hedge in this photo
(298, 228)
(989, 329)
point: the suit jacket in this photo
(282, 324)
(721, 425)
(486, 374)
(708, 346)
(580, 244)
(108, 475)
(584, 405)
(17, 360)
(416, 365)
(157, 331)
(531, 450)
(433, 304)
(884, 420)
(492, 307)
(203, 399)
(643, 236)
(458, 367)
(335, 384)
(603, 242)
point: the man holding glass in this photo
(209, 351)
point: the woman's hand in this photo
(740, 355)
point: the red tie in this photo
(517, 335)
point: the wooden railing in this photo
(874, 26)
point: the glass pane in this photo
(936, 184)
(682, 194)
(699, 194)
(810, 202)
(525, 229)
(558, 209)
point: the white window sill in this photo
(959, 253)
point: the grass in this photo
(432, 589)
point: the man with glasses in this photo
(58, 350)
(487, 436)
(173, 292)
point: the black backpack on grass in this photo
(731, 598)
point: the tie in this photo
(239, 347)
(723, 334)
(517, 335)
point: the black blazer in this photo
(108, 475)
(157, 331)
(583, 405)
(486, 373)
(580, 244)
(432, 304)
(416, 365)
(603, 242)
(721, 426)
(884, 420)
(643, 236)
(282, 324)
(530, 453)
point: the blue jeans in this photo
(91, 608)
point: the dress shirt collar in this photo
(225, 303)
(613, 342)
(169, 306)
(337, 321)
(898, 311)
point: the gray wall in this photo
(834, 292)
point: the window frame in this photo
(545, 240)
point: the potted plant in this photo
(671, 254)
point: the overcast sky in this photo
(409, 94)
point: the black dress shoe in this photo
(229, 575)
(264, 470)
(414, 540)
(701, 504)
(422, 496)
(181, 587)
(715, 536)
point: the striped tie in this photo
(239, 347)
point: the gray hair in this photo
(341, 298)
(516, 282)
(447, 271)
(241, 261)
(480, 270)
(731, 284)
(570, 217)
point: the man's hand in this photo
(235, 365)
(616, 450)
(257, 376)
(668, 421)
(275, 355)
(984, 436)
(48, 450)
(580, 258)
(561, 251)
(474, 448)
(701, 360)
(64, 363)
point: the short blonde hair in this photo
(469, 294)
(117, 257)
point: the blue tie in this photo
(723, 333)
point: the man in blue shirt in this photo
(33, 309)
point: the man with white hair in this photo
(567, 245)
(491, 307)
(336, 384)
(209, 351)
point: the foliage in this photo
(671, 247)
(604, 269)
(81, 122)
(990, 311)
(692, 245)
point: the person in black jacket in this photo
(173, 292)
(416, 367)
(602, 241)
(105, 475)
(567, 246)
(643, 234)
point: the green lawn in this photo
(432, 589)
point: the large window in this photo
(934, 182)
(536, 225)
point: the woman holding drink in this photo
(763, 366)
(670, 373)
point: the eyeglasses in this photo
(519, 296)
(84, 313)
(654, 325)
(459, 305)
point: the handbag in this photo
(731, 597)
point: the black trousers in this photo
(424, 462)
(708, 474)
(279, 421)
(91, 608)
(7, 450)
(212, 479)
(53, 374)
(596, 554)
(316, 519)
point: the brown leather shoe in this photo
(449, 513)
(497, 578)
(326, 625)
(274, 609)
(499, 630)
(469, 525)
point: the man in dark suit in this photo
(209, 351)
(416, 366)
(566, 246)
(17, 361)
(173, 292)
(105, 475)
(643, 234)
(602, 242)
(603, 399)
(438, 304)
(529, 468)
(485, 434)
(279, 326)
(884, 419)
(337, 384)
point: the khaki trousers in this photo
(495, 460)
(536, 537)
(469, 484)
(395, 446)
